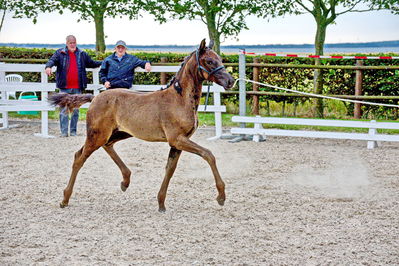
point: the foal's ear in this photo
(202, 46)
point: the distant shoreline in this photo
(364, 47)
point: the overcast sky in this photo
(351, 27)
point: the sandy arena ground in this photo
(290, 201)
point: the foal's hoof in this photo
(123, 187)
(63, 205)
(161, 207)
(220, 200)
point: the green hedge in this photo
(375, 82)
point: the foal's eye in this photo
(209, 62)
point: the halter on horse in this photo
(168, 115)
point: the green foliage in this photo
(290, 78)
(98, 10)
(392, 5)
(32, 8)
(26, 53)
(88, 9)
(223, 18)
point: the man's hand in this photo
(48, 71)
(147, 67)
(107, 84)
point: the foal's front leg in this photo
(174, 155)
(185, 144)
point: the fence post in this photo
(218, 115)
(96, 81)
(44, 114)
(371, 144)
(358, 89)
(255, 87)
(242, 94)
(3, 96)
(163, 74)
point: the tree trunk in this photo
(318, 89)
(318, 74)
(2, 18)
(214, 35)
(100, 40)
(216, 46)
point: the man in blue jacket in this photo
(71, 63)
(117, 70)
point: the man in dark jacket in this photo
(71, 63)
(117, 70)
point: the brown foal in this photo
(168, 115)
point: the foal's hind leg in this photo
(125, 171)
(80, 158)
(94, 140)
(185, 144)
(174, 155)
(109, 148)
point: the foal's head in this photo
(210, 66)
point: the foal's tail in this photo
(70, 101)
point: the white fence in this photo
(371, 137)
(44, 88)
(258, 131)
(18, 105)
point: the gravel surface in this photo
(290, 201)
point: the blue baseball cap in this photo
(120, 43)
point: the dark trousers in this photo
(64, 117)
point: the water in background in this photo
(285, 50)
(384, 47)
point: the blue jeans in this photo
(64, 118)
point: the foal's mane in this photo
(176, 77)
(184, 63)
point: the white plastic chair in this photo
(13, 78)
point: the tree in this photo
(98, 10)
(223, 18)
(3, 10)
(90, 10)
(325, 13)
(392, 5)
(25, 8)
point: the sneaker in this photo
(73, 134)
(63, 135)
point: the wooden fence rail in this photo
(359, 68)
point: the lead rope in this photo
(207, 97)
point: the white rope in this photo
(314, 95)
